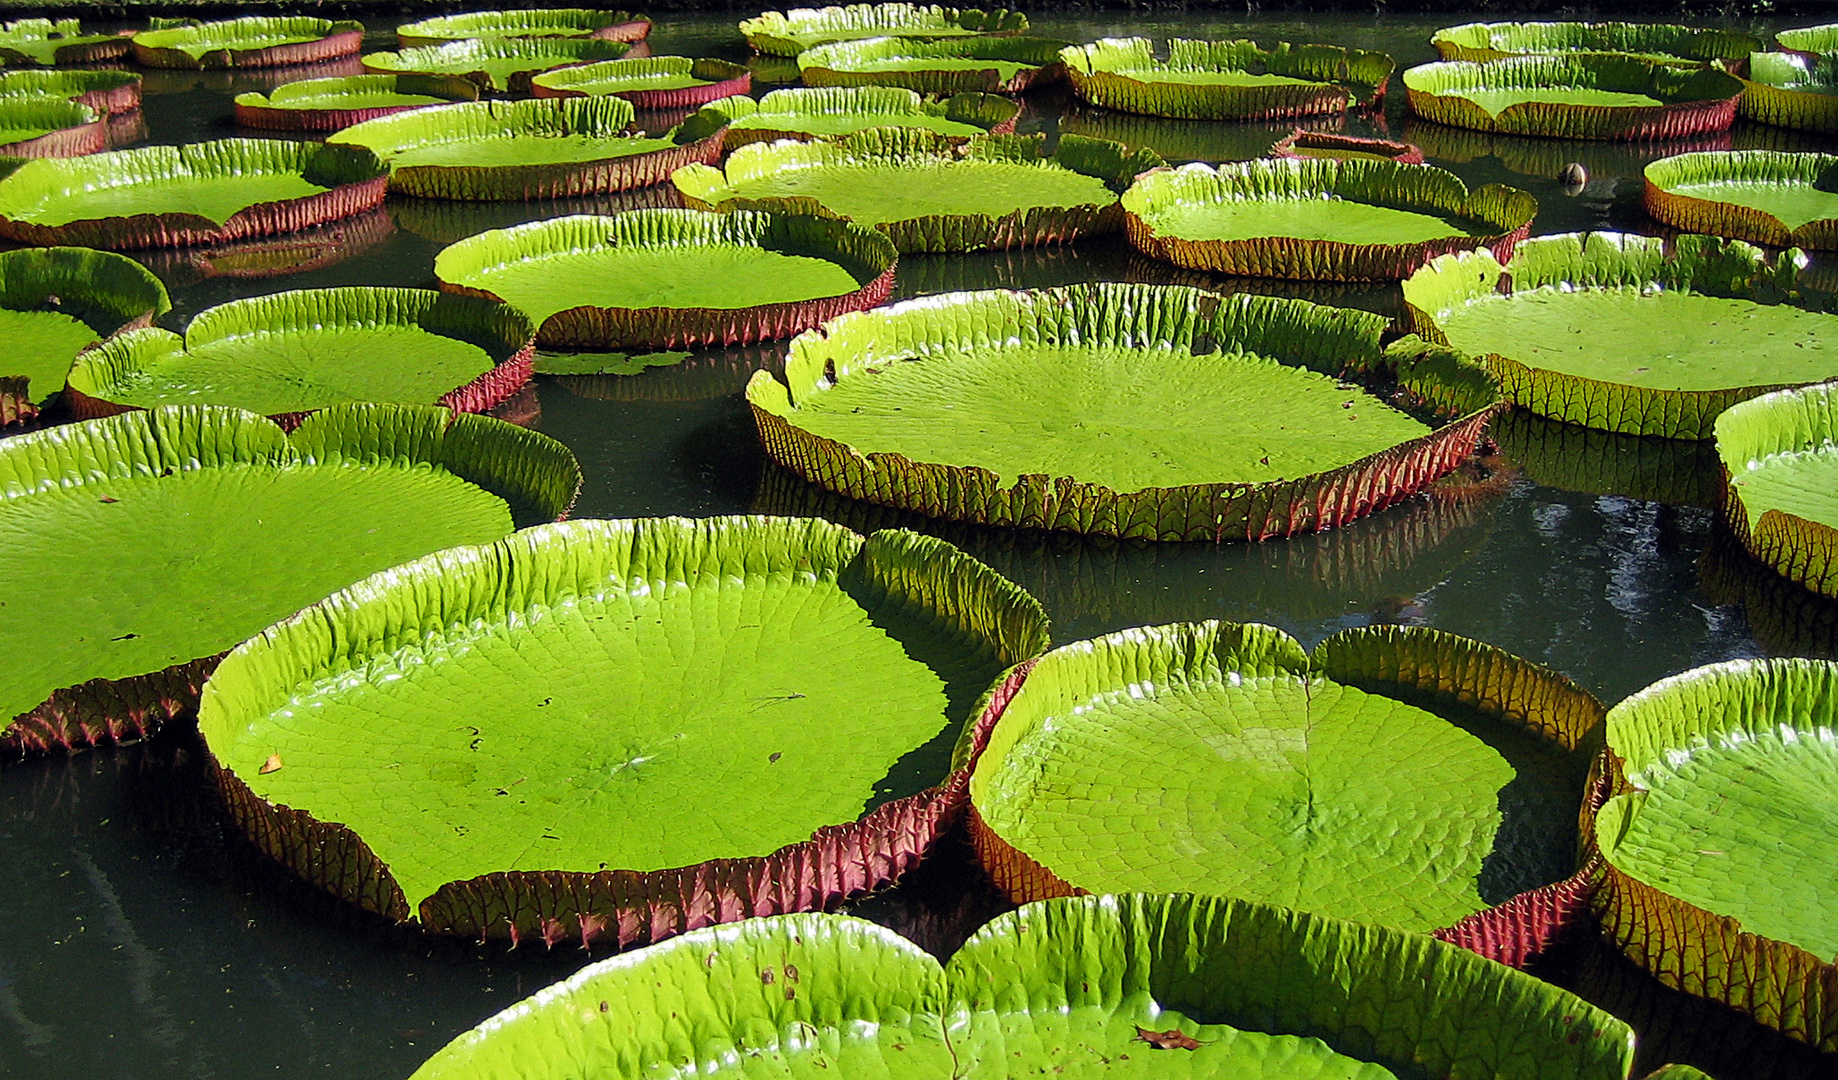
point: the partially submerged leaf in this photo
(1668, 42)
(147, 544)
(1763, 196)
(1059, 988)
(56, 302)
(834, 111)
(1323, 220)
(665, 278)
(525, 23)
(1576, 96)
(252, 41)
(788, 33)
(946, 66)
(1780, 454)
(1225, 80)
(630, 672)
(1303, 143)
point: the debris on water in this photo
(1573, 178)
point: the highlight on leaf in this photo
(957, 65)
(229, 507)
(105, 91)
(1628, 333)
(1225, 80)
(525, 23)
(666, 279)
(56, 302)
(1122, 410)
(1792, 90)
(252, 41)
(1575, 96)
(1780, 457)
(1665, 42)
(788, 33)
(574, 641)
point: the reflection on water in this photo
(1786, 618)
(445, 221)
(1683, 472)
(272, 257)
(1545, 158)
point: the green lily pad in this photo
(1764, 196)
(1319, 219)
(146, 544)
(539, 23)
(1780, 453)
(1575, 96)
(947, 66)
(1813, 40)
(343, 100)
(56, 302)
(1225, 80)
(669, 278)
(1666, 42)
(1612, 331)
(1135, 985)
(629, 672)
(782, 33)
(291, 353)
(102, 90)
(48, 42)
(1100, 410)
(1219, 758)
(927, 194)
(158, 196)
(651, 82)
(1792, 91)
(500, 64)
(1716, 863)
(833, 111)
(536, 149)
(252, 41)
(41, 127)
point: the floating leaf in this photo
(781, 33)
(252, 41)
(1793, 91)
(539, 23)
(1225, 80)
(46, 42)
(1577, 96)
(834, 111)
(500, 64)
(1780, 453)
(104, 91)
(57, 302)
(1763, 196)
(341, 101)
(42, 127)
(955, 65)
(652, 82)
(1303, 143)
(1667, 42)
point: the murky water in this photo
(138, 940)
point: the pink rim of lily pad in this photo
(108, 100)
(258, 111)
(87, 52)
(345, 39)
(725, 80)
(1333, 143)
(89, 137)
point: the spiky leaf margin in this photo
(930, 578)
(355, 181)
(788, 33)
(1703, 264)
(524, 468)
(1295, 332)
(841, 64)
(557, 22)
(868, 256)
(1786, 421)
(163, 48)
(1337, 78)
(1696, 214)
(1810, 40)
(81, 48)
(255, 109)
(719, 79)
(1482, 41)
(995, 114)
(1332, 143)
(1423, 189)
(1682, 945)
(107, 92)
(503, 332)
(1693, 100)
(706, 188)
(696, 142)
(1792, 91)
(458, 58)
(1390, 661)
(110, 287)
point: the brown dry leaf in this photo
(1172, 1039)
(273, 764)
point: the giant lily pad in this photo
(538, 23)
(290, 353)
(1579, 96)
(201, 193)
(253, 41)
(652, 82)
(1612, 331)
(1322, 220)
(1404, 777)
(537, 149)
(1666, 42)
(1810, 40)
(1160, 412)
(674, 278)
(1133, 985)
(1787, 200)
(56, 302)
(500, 64)
(996, 191)
(833, 111)
(1780, 453)
(1225, 80)
(1792, 91)
(50, 127)
(47, 42)
(625, 679)
(146, 544)
(788, 33)
(339, 102)
(948, 66)
(1717, 863)
(102, 90)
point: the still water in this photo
(138, 941)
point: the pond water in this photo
(138, 940)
